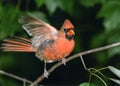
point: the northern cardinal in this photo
(47, 42)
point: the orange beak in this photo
(71, 32)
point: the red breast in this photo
(58, 50)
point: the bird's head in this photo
(68, 29)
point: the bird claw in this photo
(45, 70)
(46, 73)
(64, 61)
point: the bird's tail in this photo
(17, 44)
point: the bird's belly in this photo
(58, 50)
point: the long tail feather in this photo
(17, 44)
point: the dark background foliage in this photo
(97, 23)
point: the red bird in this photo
(47, 42)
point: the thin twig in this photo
(97, 71)
(90, 77)
(92, 72)
(84, 65)
(40, 78)
(100, 79)
(15, 77)
(102, 68)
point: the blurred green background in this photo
(97, 23)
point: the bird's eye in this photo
(66, 30)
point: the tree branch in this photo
(15, 77)
(40, 78)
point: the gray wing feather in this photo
(39, 30)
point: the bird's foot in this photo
(64, 61)
(46, 73)
(45, 70)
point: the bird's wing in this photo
(39, 30)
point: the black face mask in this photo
(69, 37)
(66, 35)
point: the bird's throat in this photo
(69, 37)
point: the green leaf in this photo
(9, 21)
(115, 80)
(111, 13)
(113, 22)
(114, 51)
(67, 5)
(6, 61)
(7, 82)
(86, 84)
(39, 3)
(113, 37)
(114, 70)
(89, 3)
(108, 8)
(51, 6)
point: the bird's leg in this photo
(64, 61)
(38, 55)
(45, 70)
